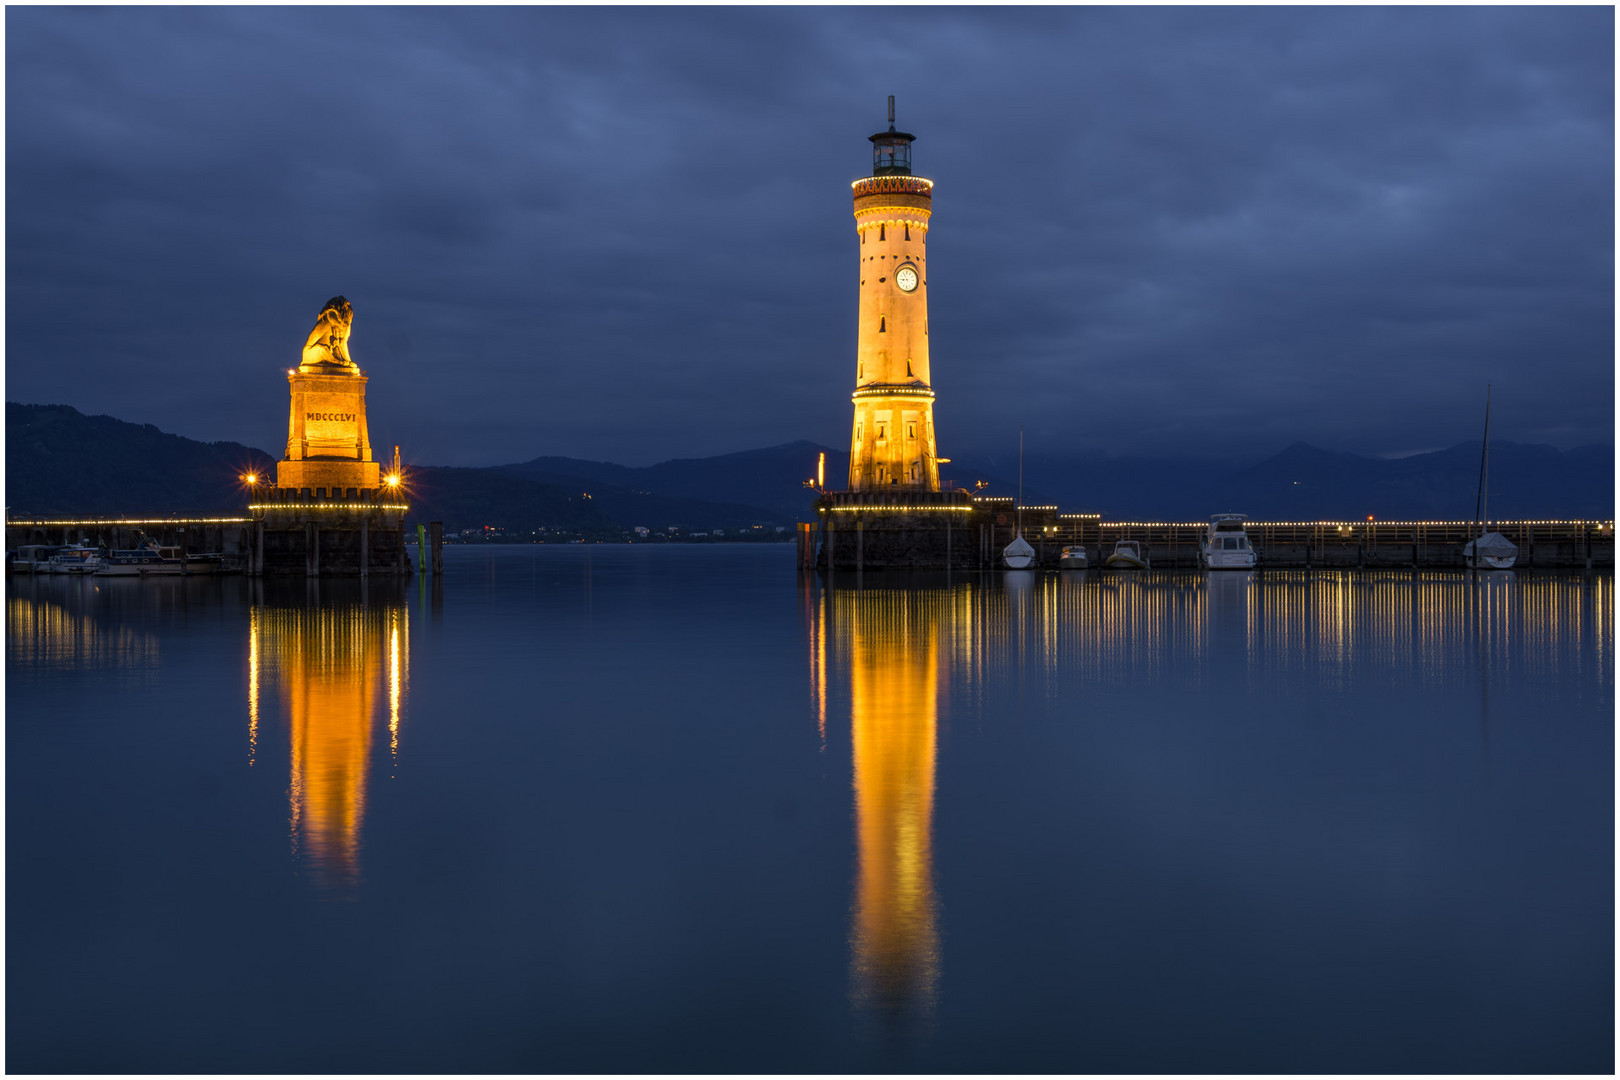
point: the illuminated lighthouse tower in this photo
(892, 448)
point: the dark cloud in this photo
(625, 233)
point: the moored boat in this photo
(32, 558)
(1018, 555)
(1226, 544)
(1073, 558)
(1489, 550)
(1128, 555)
(75, 559)
(205, 564)
(145, 561)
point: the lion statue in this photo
(329, 342)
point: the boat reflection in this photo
(337, 656)
(68, 622)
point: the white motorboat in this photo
(75, 559)
(1073, 558)
(1226, 544)
(1488, 550)
(33, 558)
(1128, 555)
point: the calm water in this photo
(671, 809)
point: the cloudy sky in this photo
(625, 234)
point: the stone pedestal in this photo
(328, 446)
(322, 538)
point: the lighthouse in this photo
(892, 444)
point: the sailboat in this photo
(1488, 550)
(1018, 555)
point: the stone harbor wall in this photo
(322, 543)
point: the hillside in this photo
(1304, 482)
(768, 482)
(59, 461)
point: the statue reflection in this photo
(336, 662)
(890, 641)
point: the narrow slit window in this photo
(881, 229)
(860, 371)
(883, 324)
(863, 236)
(908, 368)
(911, 431)
(908, 232)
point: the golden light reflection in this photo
(394, 690)
(45, 633)
(890, 642)
(907, 651)
(329, 663)
(253, 684)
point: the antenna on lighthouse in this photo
(891, 111)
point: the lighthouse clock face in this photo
(906, 278)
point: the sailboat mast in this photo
(1020, 507)
(1484, 463)
(1485, 472)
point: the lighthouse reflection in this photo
(339, 664)
(890, 642)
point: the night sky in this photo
(626, 234)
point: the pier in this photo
(959, 531)
(230, 537)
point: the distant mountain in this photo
(468, 498)
(730, 491)
(768, 483)
(60, 461)
(1304, 482)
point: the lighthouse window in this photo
(880, 232)
(908, 232)
(883, 324)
